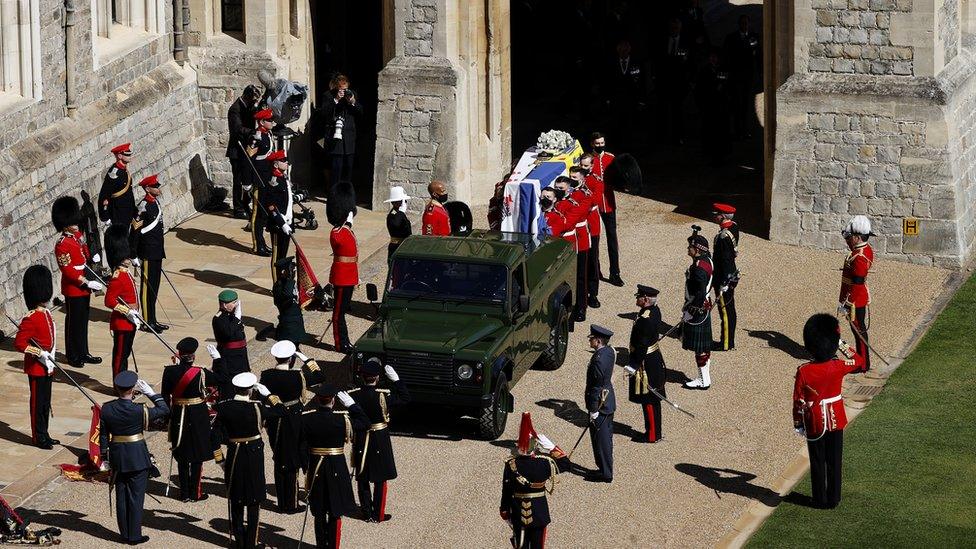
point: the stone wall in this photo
(418, 28)
(855, 37)
(949, 23)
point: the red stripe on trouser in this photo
(651, 427)
(542, 542)
(200, 482)
(382, 503)
(338, 532)
(117, 357)
(33, 408)
(335, 317)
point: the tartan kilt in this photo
(697, 338)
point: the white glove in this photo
(391, 373)
(544, 442)
(145, 388)
(104, 467)
(247, 188)
(133, 316)
(685, 316)
(723, 289)
(214, 353)
(239, 310)
(800, 431)
(298, 197)
(594, 415)
(135, 262)
(262, 390)
(630, 370)
(842, 309)
(97, 258)
(286, 228)
(107, 223)
(48, 360)
(95, 285)
(142, 207)
(301, 356)
(345, 399)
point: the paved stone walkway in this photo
(685, 492)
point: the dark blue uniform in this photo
(524, 500)
(599, 377)
(122, 440)
(276, 199)
(373, 450)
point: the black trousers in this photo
(610, 230)
(593, 267)
(245, 534)
(279, 250)
(582, 264)
(652, 420)
(528, 538)
(152, 270)
(328, 531)
(860, 326)
(40, 407)
(826, 457)
(77, 310)
(372, 499)
(121, 349)
(190, 479)
(343, 299)
(130, 494)
(601, 437)
(727, 316)
(258, 221)
(341, 167)
(286, 488)
(241, 200)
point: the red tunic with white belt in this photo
(435, 221)
(608, 202)
(585, 203)
(853, 282)
(39, 326)
(817, 402)
(72, 254)
(345, 257)
(121, 285)
(575, 214)
(596, 196)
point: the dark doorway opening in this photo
(347, 37)
(696, 130)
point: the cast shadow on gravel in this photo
(568, 410)
(729, 481)
(781, 342)
(72, 521)
(670, 376)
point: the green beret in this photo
(227, 296)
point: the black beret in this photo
(187, 346)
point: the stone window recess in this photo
(117, 18)
(20, 51)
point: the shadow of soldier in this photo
(568, 410)
(730, 481)
(781, 342)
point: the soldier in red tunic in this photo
(344, 275)
(436, 221)
(594, 189)
(72, 255)
(818, 408)
(854, 294)
(575, 205)
(125, 317)
(608, 203)
(36, 337)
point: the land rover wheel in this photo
(491, 420)
(555, 354)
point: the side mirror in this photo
(372, 294)
(523, 304)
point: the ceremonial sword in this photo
(857, 334)
(171, 285)
(603, 398)
(654, 391)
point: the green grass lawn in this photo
(909, 458)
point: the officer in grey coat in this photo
(601, 402)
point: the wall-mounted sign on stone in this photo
(909, 226)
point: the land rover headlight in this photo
(464, 372)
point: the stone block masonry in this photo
(855, 37)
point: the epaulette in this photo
(646, 313)
(387, 391)
(352, 390)
(344, 412)
(309, 412)
(112, 173)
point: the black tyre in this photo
(555, 354)
(492, 419)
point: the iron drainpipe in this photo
(70, 56)
(179, 51)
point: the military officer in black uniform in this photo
(373, 450)
(259, 146)
(328, 485)
(291, 322)
(123, 445)
(185, 388)
(148, 232)
(289, 384)
(228, 329)
(116, 202)
(601, 402)
(527, 478)
(240, 124)
(646, 364)
(238, 425)
(277, 199)
(397, 223)
(725, 249)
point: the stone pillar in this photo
(877, 120)
(261, 24)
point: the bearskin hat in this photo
(38, 286)
(65, 212)
(821, 335)
(341, 201)
(623, 173)
(117, 247)
(460, 217)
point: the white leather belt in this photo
(581, 224)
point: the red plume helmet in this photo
(526, 439)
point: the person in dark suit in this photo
(338, 118)
(325, 432)
(674, 59)
(646, 364)
(623, 89)
(123, 445)
(149, 233)
(184, 386)
(693, 22)
(373, 450)
(743, 51)
(228, 329)
(238, 425)
(240, 126)
(712, 98)
(601, 402)
(397, 223)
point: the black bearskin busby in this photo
(117, 248)
(460, 217)
(65, 212)
(821, 335)
(624, 173)
(38, 286)
(696, 240)
(341, 201)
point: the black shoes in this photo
(155, 326)
(139, 541)
(596, 477)
(48, 443)
(89, 359)
(616, 281)
(240, 214)
(593, 302)
(264, 252)
(579, 316)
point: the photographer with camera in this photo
(240, 123)
(338, 117)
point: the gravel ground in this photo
(683, 492)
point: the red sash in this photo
(184, 382)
